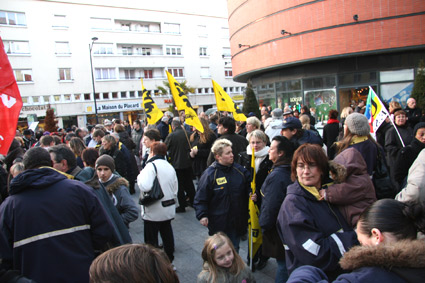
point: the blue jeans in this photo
(233, 236)
(281, 272)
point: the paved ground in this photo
(189, 237)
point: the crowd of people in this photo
(325, 212)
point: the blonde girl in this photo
(222, 263)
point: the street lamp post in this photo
(92, 77)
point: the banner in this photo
(225, 103)
(11, 102)
(183, 103)
(255, 236)
(152, 111)
(375, 112)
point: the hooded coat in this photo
(313, 232)
(117, 189)
(354, 190)
(399, 262)
(50, 223)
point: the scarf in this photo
(259, 155)
(333, 121)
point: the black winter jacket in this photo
(222, 197)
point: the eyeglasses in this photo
(303, 167)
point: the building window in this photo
(16, 47)
(129, 74)
(67, 97)
(100, 23)
(57, 98)
(127, 50)
(205, 72)
(87, 96)
(225, 32)
(140, 93)
(125, 27)
(59, 21)
(398, 75)
(105, 95)
(65, 74)
(199, 90)
(144, 28)
(62, 48)
(202, 51)
(123, 94)
(105, 73)
(77, 97)
(23, 75)
(176, 72)
(207, 90)
(202, 31)
(131, 94)
(172, 28)
(36, 99)
(148, 74)
(46, 99)
(24, 100)
(146, 51)
(174, 50)
(12, 18)
(226, 52)
(102, 48)
(228, 73)
(115, 95)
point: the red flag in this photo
(10, 102)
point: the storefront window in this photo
(366, 78)
(265, 94)
(396, 76)
(288, 93)
(319, 83)
(399, 92)
(351, 96)
(322, 100)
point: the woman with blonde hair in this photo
(222, 263)
(77, 146)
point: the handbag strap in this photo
(154, 167)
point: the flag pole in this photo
(398, 133)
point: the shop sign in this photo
(168, 101)
(114, 107)
(296, 99)
(238, 97)
(34, 108)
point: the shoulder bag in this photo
(155, 194)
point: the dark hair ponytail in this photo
(402, 220)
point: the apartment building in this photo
(50, 45)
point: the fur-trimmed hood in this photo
(114, 184)
(111, 186)
(402, 254)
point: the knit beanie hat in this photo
(358, 124)
(417, 127)
(106, 160)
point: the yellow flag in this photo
(183, 103)
(225, 103)
(152, 111)
(254, 229)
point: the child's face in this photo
(224, 256)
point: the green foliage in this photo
(50, 121)
(250, 103)
(185, 87)
(418, 91)
(163, 90)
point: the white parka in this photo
(168, 180)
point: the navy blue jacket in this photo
(313, 232)
(273, 192)
(67, 218)
(308, 137)
(222, 196)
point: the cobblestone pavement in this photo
(189, 237)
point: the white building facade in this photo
(48, 44)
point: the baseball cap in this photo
(290, 122)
